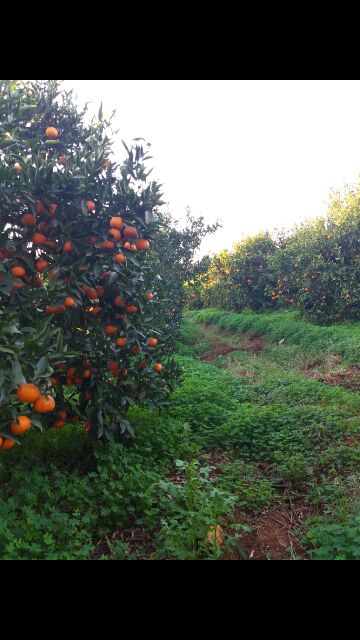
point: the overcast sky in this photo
(256, 154)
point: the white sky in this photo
(256, 154)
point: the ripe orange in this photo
(116, 222)
(19, 285)
(120, 258)
(44, 404)
(158, 367)
(133, 247)
(152, 342)
(62, 160)
(51, 133)
(17, 167)
(71, 372)
(27, 392)
(52, 209)
(87, 373)
(59, 309)
(149, 296)
(107, 244)
(22, 424)
(18, 272)
(105, 276)
(8, 443)
(38, 238)
(69, 302)
(118, 301)
(91, 293)
(87, 426)
(54, 382)
(110, 329)
(59, 424)
(29, 220)
(126, 245)
(49, 310)
(39, 207)
(90, 205)
(130, 232)
(120, 316)
(41, 265)
(94, 310)
(68, 246)
(115, 234)
(121, 342)
(114, 368)
(142, 244)
(135, 350)
(131, 308)
(62, 414)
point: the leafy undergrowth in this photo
(249, 443)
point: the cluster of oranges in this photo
(46, 262)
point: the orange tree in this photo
(77, 334)
(243, 278)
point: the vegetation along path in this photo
(255, 458)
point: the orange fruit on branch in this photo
(116, 222)
(22, 424)
(107, 244)
(130, 232)
(110, 329)
(51, 133)
(8, 443)
(41, 265)
(29, 220)
(121, 342)
(158, 367)
(142, 244)
(90, 205)
(68, 246)
(69, 302)
(44, 404)
(27, 392)
(120, 258)
(115, 234)
(38, 238)
(18, 272)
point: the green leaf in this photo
(17, 376)
(41, 366)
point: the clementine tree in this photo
(77, 324)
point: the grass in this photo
(245, 433)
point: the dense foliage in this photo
(78, 294)
(315, 268)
